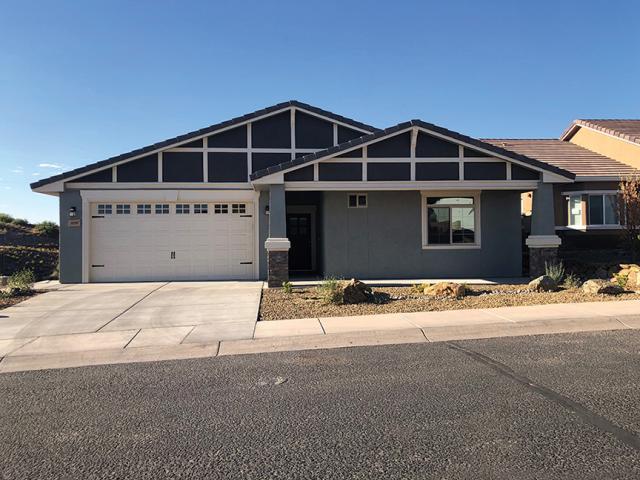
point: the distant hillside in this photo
(24, 245)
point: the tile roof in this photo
(565, 155)
(628, 129)
(497, 149)
(203, 131)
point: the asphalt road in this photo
(555, 406)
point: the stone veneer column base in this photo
(278, 268)
(538, 257)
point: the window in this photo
(592, 209)
(144, 209)
(450, 221)
(123, 209)
(162, 208)
(182, 208)
(357, 200)
(104, 209)
(219, 208)
(238, 208)
(200, 208)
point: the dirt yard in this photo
(303, 303)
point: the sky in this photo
(81, 81)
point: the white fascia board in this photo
(599, 178)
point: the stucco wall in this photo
(70, 238)
(603, 144)
(385, 239)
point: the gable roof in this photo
(403, 126)
(566, 155)
(627, 129)
(201, 132)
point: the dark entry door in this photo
(299, 234)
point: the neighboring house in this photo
(293, 189)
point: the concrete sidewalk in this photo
(330, 332)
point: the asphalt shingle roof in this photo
(565, 155)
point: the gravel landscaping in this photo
(9, 301)
(276, 304)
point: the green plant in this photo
(6, 218)
(572, 281)
(622, 280)
(21, 283)
(555, 270)
(330, 290)
(21, 222)
(287, 287)
(50, 229)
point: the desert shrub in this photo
(21, 283)
(621, 280)
(572, 281)
(555, 270)
(50, 229)
(6, 218)
(287, 287)
(330, 290)
(21, 222)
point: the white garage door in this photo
(171, 241)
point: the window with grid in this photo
(238, 208)
(182, 208)
(451, 221)
(123, 209)
(219, 208)
(162, 208)
(357, 200)
(200, 208)
(144, 209)
(104, 209)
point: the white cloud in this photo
(55, 166)
(17, 170)
(36, 174)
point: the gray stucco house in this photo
(296, 190)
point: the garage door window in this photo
(162, 208)
(220, 208)
(182, 208)
(144, 209)
(200, 208)
(238, 208)
(123, 209)
(104, 209)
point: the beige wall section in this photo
(604, 144)
(526, 203)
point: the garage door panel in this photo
(138, 245)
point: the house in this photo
(296, 190)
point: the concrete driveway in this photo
(77, 318)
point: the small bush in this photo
(287, 287)
(21, 283)
(330, 291)
(572, 281)
(555, 270)
(50, 229)
(622, 280)
(21, 222)
(6, 218)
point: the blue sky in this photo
(82, 81)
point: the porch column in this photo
(277, 244)
(543, 242)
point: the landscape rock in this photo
(355, 291)
(603, 287)
(543, 284)
(445, 289)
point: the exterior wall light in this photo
(72, 212)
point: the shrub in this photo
(6, 218)
(330, 291)
(287, 287)
(21, 222)
(21, 283)
(621, 280)
(50, 229)
(555, 270)
(572, 281)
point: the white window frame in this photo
(201, 208)
(162, 209)
(589, 225)
(183, 209)
(220, 208)
(143, 209)
(123, 209)
(358, 195)
(476, 220)
(238, 208)
(104, 209)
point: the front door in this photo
(299, 234)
